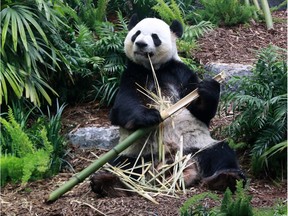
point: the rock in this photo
(96, 137)
(230, 71)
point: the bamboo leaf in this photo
(30, 32)
(7, 16)
(37, 26)
(22, 32)
(14, 30)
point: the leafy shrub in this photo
(193, 206)
(29, 153)
(238, 206)
(225, 12)
(260, 108)
(232, 205)
(168, 12)
(110, 47)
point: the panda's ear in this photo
(133, 21)
(177, 28)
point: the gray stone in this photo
(97, 137)
(230, 70)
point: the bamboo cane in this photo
(267, 14)
(81, 176)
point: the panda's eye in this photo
(156, 40)
(133, 38)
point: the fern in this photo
(20, 142)
(168, 12)
(260, 105)
(33, 155)
(101, 9)
(197, 31)
(239, 206)
(192, 206)
(227, 12)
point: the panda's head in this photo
(153, 37)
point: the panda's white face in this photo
(152, 37)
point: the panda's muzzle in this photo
(144, 54)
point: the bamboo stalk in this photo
(267, 14)
(81, 176)
(256, 4)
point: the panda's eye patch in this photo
(133, 38)
(156, 40)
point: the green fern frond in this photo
(101, 9)
(168, 13)
(197, 31)
(21, 144)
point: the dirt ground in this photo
(227, 45)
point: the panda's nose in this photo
(141, 44)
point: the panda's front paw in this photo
(145, 118)
(151, 117)
(209, 89)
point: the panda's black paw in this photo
(146, 118)
(209, 89)
(224, 179)
(105, 184)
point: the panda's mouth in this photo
(144, 54)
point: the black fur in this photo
(156, 40)
(177, 28)
(130, 111)
(133, 21)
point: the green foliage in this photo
(188, 42)
(238, 206)
(29, 153)
(260, 105)
(279, 209)
(193, 205)
(168, 12)
(24, 47)
(110, 47)
(88, 12)
(225, 12)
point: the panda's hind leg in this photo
(219, 167)
(224, 179)
(106, 184)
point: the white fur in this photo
(163, 53)
(182, 124)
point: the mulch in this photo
(226, 45)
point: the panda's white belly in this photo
(181, 126)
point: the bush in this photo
(260, 109)
(29, 153)
(225, 12)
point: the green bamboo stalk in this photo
(267, 14)
(247, 3)
(81, 176)
(256, 4)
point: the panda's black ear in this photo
(133, 21)
(177, 28)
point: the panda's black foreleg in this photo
(219, 167)
(204, 108)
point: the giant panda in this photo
(215, 163)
